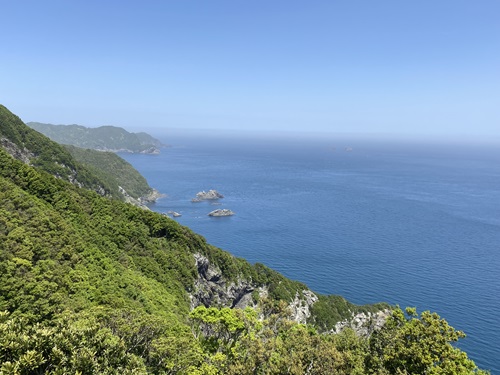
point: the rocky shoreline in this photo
(151, 197)
(143, 201)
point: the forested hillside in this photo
(103, 138)
(112, 169)
(103, 172)
(94, 285)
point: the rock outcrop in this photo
(151, 197)
(300, 308)
(221, 212)
(151, 151)
(212, 289)
(207, 195)
(364, 324)
(142, 201)
(16, 152)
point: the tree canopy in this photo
(94, 285)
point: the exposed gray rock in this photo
(207, 195)
(300, 308)
(142, 201)
(151, 150)
(151, 197)
(364, 324)
(221, 212)
(174, 214)
(16, 152)
(211, 288)
(132, 200)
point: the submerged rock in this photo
(221, 212)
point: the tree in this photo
(413, 344)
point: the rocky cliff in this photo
(211, 288)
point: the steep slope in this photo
(33, 148)
(103, 138)
(120, 175)
(103, 172)
(217, 278)
(94, 285)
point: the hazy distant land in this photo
(103, 138)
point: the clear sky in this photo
(383, 67)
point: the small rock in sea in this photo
(207, 195)
(221, 212)
(174, 214)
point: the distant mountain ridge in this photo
(103, 172)
(103, 138)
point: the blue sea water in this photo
(412, 224)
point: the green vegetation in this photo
(329, 310)
(93, 285)
(112, 169)
(104, 138)
(45, 154)
(103, 172)
(238, 342)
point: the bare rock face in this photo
(132, 200)
(207, 195)
(16, 152)
(364, 324)
(300, 308)
(151, 197)
(211, 288)
(221, 212)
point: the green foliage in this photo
(104, 138)
(280, 287)
(413, 344)
(46, 154)
(113, 170)
(238, 342)
(329, 310)
(65, 346)
(93, 285)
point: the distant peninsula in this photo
(103, 138)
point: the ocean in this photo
(409, 223)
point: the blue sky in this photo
(370, 67)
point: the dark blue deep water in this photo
(410, 224)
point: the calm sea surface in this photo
(410, 224)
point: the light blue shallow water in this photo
(414, 225)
